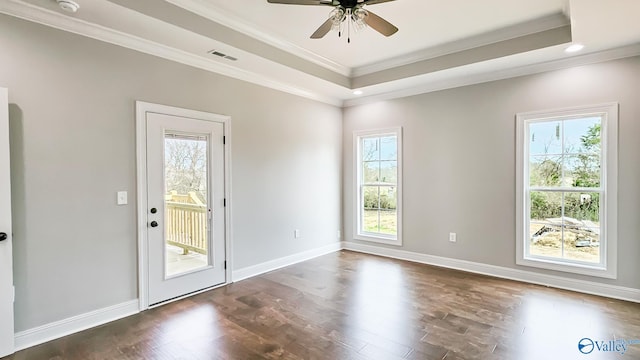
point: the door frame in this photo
(142, 108)
(7, 329)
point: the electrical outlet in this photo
(122, 198)
(339, 234)
(296, 233)
(453, 237)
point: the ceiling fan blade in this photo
(300, 2)
(322, 30)
(373, 2)
(379, 24)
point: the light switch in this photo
(122, 198)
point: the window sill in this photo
(378, 239)
(581, 269)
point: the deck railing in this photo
(186, 226)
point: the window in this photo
(378, 185)
(566, 190)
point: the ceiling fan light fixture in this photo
(359, 13)
(358, 17)
(337, 15)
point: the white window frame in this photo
(607, 268)
(357, 233)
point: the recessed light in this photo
(574, 48)
(358, 92)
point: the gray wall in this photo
(459, 161)
(73, 146)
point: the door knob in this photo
(154, 224)
(3, 236)
(153, 210)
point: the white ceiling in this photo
(441, 43)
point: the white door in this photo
(6, 257)
(185, 205)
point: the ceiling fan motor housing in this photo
(349, 3)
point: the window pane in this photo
(582, 171)
(582, 135)
(370, 222)
(545, 239)
(545, 138)
(388, 197)
(545, 170)
(582, 208)
(388, 212)
(388, 222)
(388, 148)
(371, 206)
(581, 243)
(371, 197)
(371, 172)
(389, 172)
(545, 228)
(546, 206)
(370, 149)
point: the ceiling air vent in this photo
(222, 55)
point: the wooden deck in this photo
(186, 226)
(347, 305)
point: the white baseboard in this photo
(58, 329)
(271, 265)
(588, 287)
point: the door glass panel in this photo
(186, 203)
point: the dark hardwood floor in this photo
(348, 305)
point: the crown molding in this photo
(459, 81)
(205, 9)
(29, 12)
(545, 23)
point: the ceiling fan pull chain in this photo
(348, 26)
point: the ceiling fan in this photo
(351, 12)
